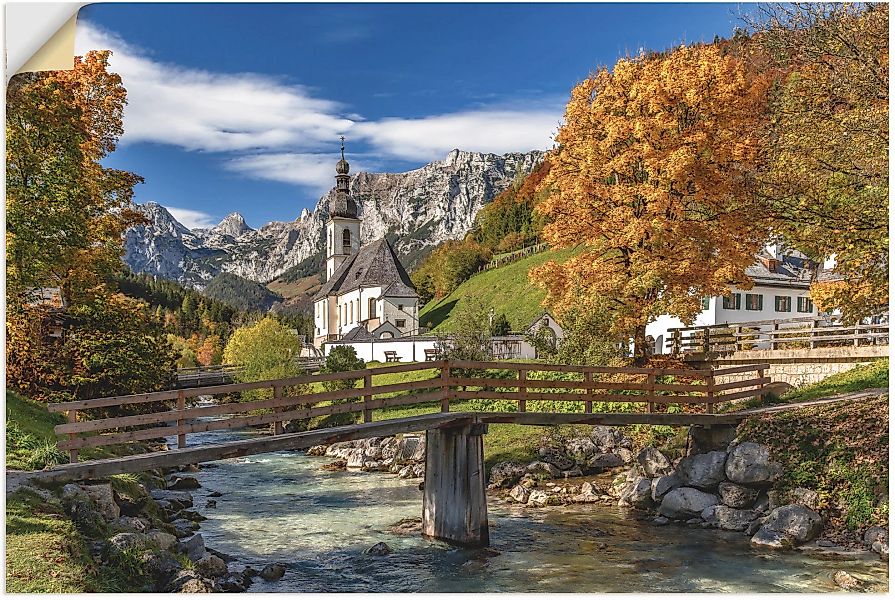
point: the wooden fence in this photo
(440, 382)
(511, 257)
(778, 334)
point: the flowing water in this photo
(281, 507)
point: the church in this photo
(367, 294)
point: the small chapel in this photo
(367, 294)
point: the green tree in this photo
(339, 360)
(500, 325)
(265, 350)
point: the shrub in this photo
(339, 360)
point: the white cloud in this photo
(484, 130)
(274, 131)
(192, 219)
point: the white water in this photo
(283, 507)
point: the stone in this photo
(541, 498)
(160, 566)
(875, 534)
(789, 526)
(192, 515)
(725, 517)
(703, 471)
(750, 464)
(625, 454)
(419, 453)
(379, 549)
(661, 521)
(520, 494)
(419, 470)
(190, 582)
(663, 484)
(601, 462)
(653, 462)
(805, 497)
(573, 472)
(319, 450)
(183, 482)
(161, 539)
(589, 488)
(505, 474)
(737, 496)
(580, 450)
(608, 438)
(178, 500)
(754, 526)
(556, 458)
(102, 495)
(355, 458)
(686, 502)
(184, 527)
(405, 449)
(134, 524)
(214, 494)
(211, 566)
(542, 470)
(847, 581)
(211, 504)
(641, 495)
(881, 547)
(70, 491)
(128, 541)
(273, 571)
(762, 503)
(193, 546)
(585, 498)
(406, 472)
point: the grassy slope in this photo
(506, 289)
(873, 375)
(31, 418)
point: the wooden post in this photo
(815, 323)
(523, 376)
(181, 405)
(760, 385)
(589, 403)
(277, 425)
(455, 509)
(445, 391)
(857, 333)
(736, 338)
(72, 417)
(776, 328)
(368, 398)
(710, 394)
(650, 390)
(706, 346)
(676, 342)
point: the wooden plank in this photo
(523, 374)
(72, 417)
(565, 397)
(97, 469)
(515, 366)
(584, 386)
(737, 396)
(548, 419)
(277, 425)
(720, 387)
(739, 369)
(589, 403)
(181, 404)
(368, 412)
(445, 386)
(650, 385)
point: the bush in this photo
(339, 360)
(265, 350)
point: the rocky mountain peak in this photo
(233, 225)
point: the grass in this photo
(873, 375)
(506, 289)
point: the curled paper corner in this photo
(40, 36)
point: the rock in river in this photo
(703, 471)
(737, 496)
(653, 462)
(685, 502)
(273, 572)
(750, 464)
(789, 526)
(724, 517)
(379, 549)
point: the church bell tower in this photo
(343, 227)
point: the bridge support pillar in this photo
(454, 505)
(706, 438)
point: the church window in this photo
(399, 323)
(346, 238)
(371, 308)
(351, 308)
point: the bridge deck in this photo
(299, 441)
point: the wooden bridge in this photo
(202, 376)
(454, 501)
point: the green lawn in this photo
(506, 289)
(872, 375)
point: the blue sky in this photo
(238, 107)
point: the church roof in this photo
(374, 265)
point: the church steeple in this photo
(341, 203)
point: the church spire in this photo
(341, 203)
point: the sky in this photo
(239, 107)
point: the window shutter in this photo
(760, 301)
(738, 301)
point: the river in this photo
(283, 507)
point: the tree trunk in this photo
(641, 347)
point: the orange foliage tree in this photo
(654, 175)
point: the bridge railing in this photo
(163, 414)
(777, 334)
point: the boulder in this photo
(686, 502)
(419, 470)
(102, 495)
(211, 566)
(406, 472)
(750, 464)
(641, 495)
(661, 521)
(319, 450)
(183, 482)
(703, 471)
(520, 494)
(881, 547)
(573, 472)
(556, 458)
(542, 498)
(505, 474)
(601, 462)
(193, 546)
(405, 449)
(355, 458)
(847, 581)
(625, 454)
(653, 462)
(419, 453)
(190, 582)
(608, 438)
(664, 484)
(340, 449)
(160, 566)
(542, 470)
(161, 539)
(273, 571)
(580, 450)
(737, 496)
(379, 549)
(789, 526)
(128, 541)
(725, 517)
(805, 497)
(178, 500)
(875, 534)
(184, 527)
(134, 524)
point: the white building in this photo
(780, 291)
(367, 294)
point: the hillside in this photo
(506, 289)
(240, 293)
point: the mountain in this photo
(416, 210)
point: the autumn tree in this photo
(65, 212)
(654, 175)
(827, 184)
(264, 350)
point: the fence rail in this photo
(168, 414)
(779, 334)
(515, 255)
